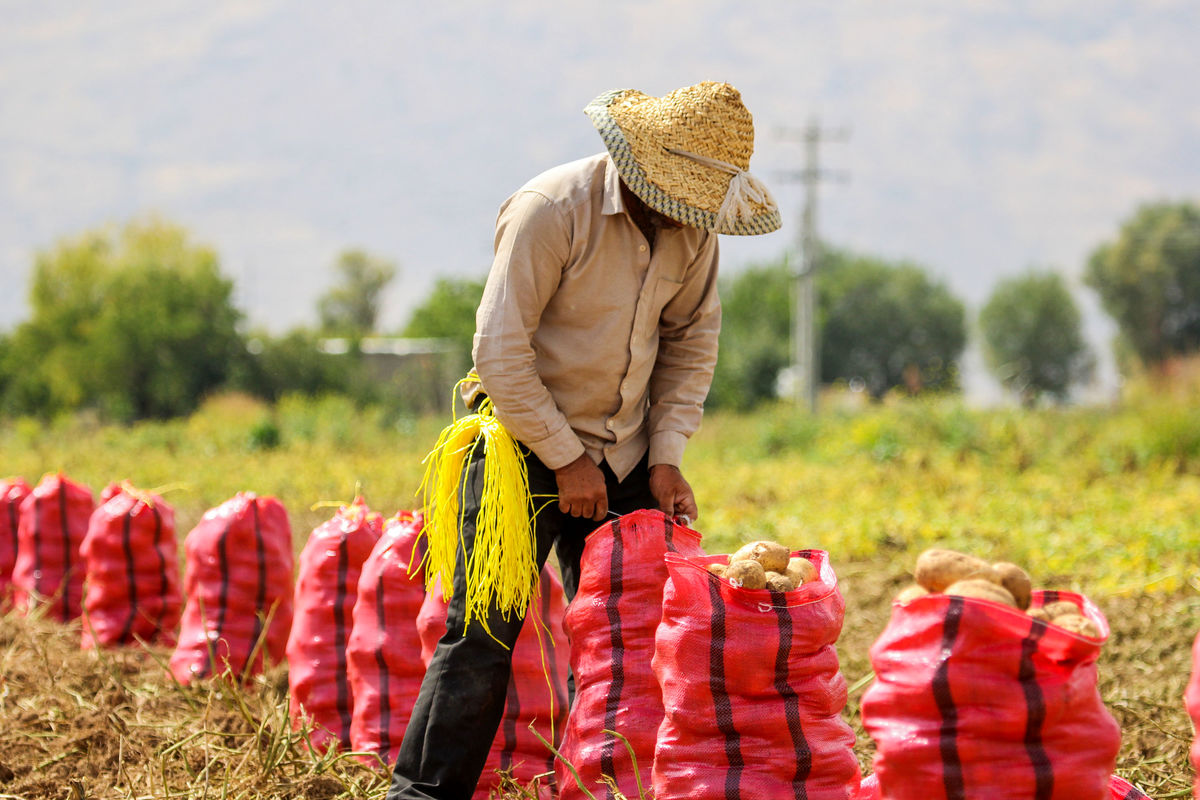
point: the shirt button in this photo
(625, 386)
(609, 424)
(642, 247)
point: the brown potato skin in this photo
(800, 571)
(911, 592)
(1038, 613)
(1016, 580)
(746, 573)
(779, 583)
(1060, 608)
(981, 589)
(718, 569)
(1077, 623)
(771, 555)
(938, 568)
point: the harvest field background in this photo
(1105, 501)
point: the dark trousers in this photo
(461, 701)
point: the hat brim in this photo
(651, 194)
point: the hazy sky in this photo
(985, 137)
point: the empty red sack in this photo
(537, 687)
(611, 624)
(383, 655)
(132, 571)
(973, 698)
(751, 688)
(49, 569)
(326, 591)
(12, 492)
(238, 582)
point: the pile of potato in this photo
(765, 565)
(954, 573)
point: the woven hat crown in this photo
(686, 154)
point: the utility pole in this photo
(805, 350)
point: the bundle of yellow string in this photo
(502, 570)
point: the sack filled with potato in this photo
(751, 686)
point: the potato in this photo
(718, 569)
(1016, 580)
(771, 555)
(1038, 613)
(1077, 623)
(800, 571)
(779, 583)
(937, 569)
(982, 589)
(747, 574)
(1060, 607)
(911, 592)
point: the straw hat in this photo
(686, 155)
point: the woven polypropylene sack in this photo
(132, 572)
(1191, 700)
(973, 698)
(383, 656)
(12, 492)
(326, 591)
(238, 582)
(537, 687)
(1118, 789)
(751, 688)
(49, 569)
(611, 624)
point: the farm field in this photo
(1101, 501)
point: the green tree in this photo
(448, 313)
(887, 324)
(1033, 337)
(754, 343)
(351, 308)
(1148, 280)
(136, 324)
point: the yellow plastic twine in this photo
(502, 570)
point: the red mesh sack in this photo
(611, 624)
(12, 492)
(751, 688)
(326, 591)
(238, 581)
(1191, 700)
(132, 571)
(1118, 789)
(49, 568)
(383, 655)
(537, 688)
(976, 699)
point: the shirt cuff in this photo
(666, 447)
(558, 449)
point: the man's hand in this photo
(581, 489)
(673, 493)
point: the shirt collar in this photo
(613, 204)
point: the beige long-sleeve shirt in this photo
(587, 339)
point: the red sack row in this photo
(1191, 700)
(537, 687)
(132, 571)
(383, 653)
(238, 582)
(49, 569)
(1118, 789)
(326, 591)
(12, 492)
(751, 688)
(611, 624)
(976, 699)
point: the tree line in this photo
(140, 323)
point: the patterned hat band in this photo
(744, 194)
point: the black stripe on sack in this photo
(720, 694)
(339, 636)
(560, 698)
(952, 771)
(260, 599)
(223, 596)
(385, 676)
(66, 540)
(1035, 715)
(164, 581)
(669, 534)
(130, 575)
(791, 701)
(613, 701)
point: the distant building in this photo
(419, 373)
